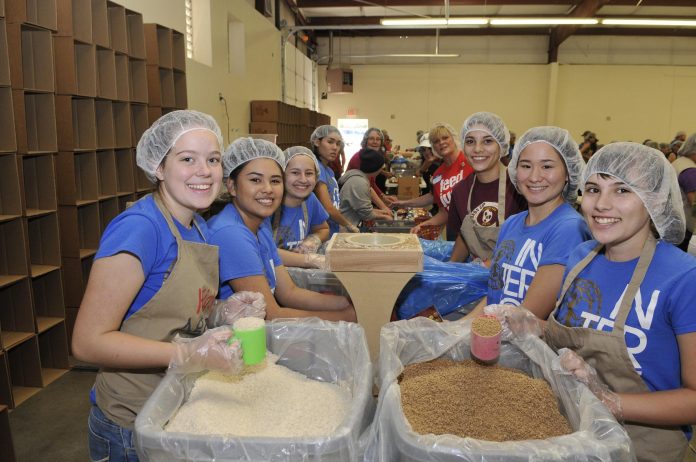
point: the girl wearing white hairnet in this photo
(129, 316)
(482, 201)
(626, 306)
(326, 143)
(249, 260)
(533, 246)
(299, 224)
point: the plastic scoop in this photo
(485, 339)
(251, 332)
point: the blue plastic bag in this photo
(437, 249)
(446, 286)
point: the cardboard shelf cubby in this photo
(100, 23)
(75, 19)
(124, 201)
(10, 191)
(76, 123)
(123, 84)
(166, 77)
(108, 209)
(8, 138)
(42, 13)
(106, 167)
(39, 175)
(53, 352)
(47, 293)
(139, 122)
(4, 56)
(25, 370)
(158, 45)
(125, 180)
(118, 31)
(76, 67)
(77, 178)
(5, 386)
(138, 80)
(33, 69)
(35, 122)
(154, 86)
(154, 113)
(76, 273)
(44, 244)
(79, 230)
(136, 34)
(105, 124)
(106, 73)
(7, 452)
(178, 51)
(180, 95)
(16, 315)
(122, 124)
(13, 252)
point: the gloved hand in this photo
(352, 229)
(572, 363)
(209, 351)
(315, 260)
(517, 321)
(238, 305)
(309, 244)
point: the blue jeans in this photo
(108, 441)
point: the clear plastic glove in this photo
(209, 351)
(315, 260)
(238, 305)
(310, 244)
(572, 363)
(352, 229)
(517, 321)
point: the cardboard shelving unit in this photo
(105, 124)
(41, 13)
(158, 45)
(47, 293)
(10, 191)
(79, 231)
(178, 51)
(77, 174)
(44, 244)
(8, 137)
(4, 56)
(53, 351)
(35, 122)
(122, 77)
(14, 265)
(100, 23)
(76, 123)
(122, 125)
(16, 316)
(7, 453)
(75, 280)
(5, 385)
(154, 86)
(136, 34)
(108, 209)
(76, 67)
(106, 167)
(125, 163)
(118, 32)
(138, 80)
(166, 82)
(39, 177)
(106, 73)
(75, 19)
(180, 95)
(139, 122)
(25, 370)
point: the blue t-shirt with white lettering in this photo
(326, 176)
(293, 229)
(522, 249)
(242, 253)
(661, 310)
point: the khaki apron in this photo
(180, 306)
(606, 352)
(481, 239)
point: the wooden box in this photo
(395, 253)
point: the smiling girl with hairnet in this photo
(625, 321)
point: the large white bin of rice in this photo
(333, 352)
(597, 435)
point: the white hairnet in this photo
(559, 139)
(161, 136)
(491, 124)
(650, 175)
(323, 131)
(294, 151)
(242, 150)
(688, 147)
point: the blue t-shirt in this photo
(142, 231)
(242, 253)
(326, 176)
(292, 229)
(662, 308)
(521, 249)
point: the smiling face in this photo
(444, 145)
(374, 140)
(257, 190)
(541, 176)
(482, 151)
(328, 148)
(190, 175)
(616, 216)
(300, 178)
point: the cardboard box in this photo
(25, 370)
(75, 275)
(75, 67)
(106, 73)
(117, 27)
(339, 80)
(122, 125)
(125, 180)
(138, 81)
(75, 19)
(154, 86)
(53, 351)
(106, 166)
(100, 23)
(153, 113)
(16, 316)
(75, 118)
(158, 45)
(8, 137)
(37, 60)
(105, 124)
(178, 51)
(10, 194)
(372, 252)
(39, 177)
(47, 293)
(13, 256)
(166, 77)
(40, 123)
(180, 93)
(265, 128)
(44, 244)
(408, 187)
(267, 111)
(122, 77)
(139, 122)
(136, 34)
(77, 178)
(41, 13)
(4, 56)
(79, 230)
(108, 209)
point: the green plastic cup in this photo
(251, 332)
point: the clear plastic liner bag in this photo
(445, 286)
(597, 435)
(437, 249)
(317, 280)
(334, 352)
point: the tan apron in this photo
(180, 306)
(606, 352)
(481, 239)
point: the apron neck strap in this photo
(646, 256)
(502, 187)
(170, 220)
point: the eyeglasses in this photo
(374, 139)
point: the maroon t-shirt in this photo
(484, 202)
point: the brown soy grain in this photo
(486, 326)
(492, 403)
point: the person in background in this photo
(667, 151)
(533, 246)
(356, 205)
(454, 168)
(431, 163)
(685, 167)
(506, 159)
(326, 142)
(299, 224)
(249, 260)
(129, 316)
(650, 143)
(339, 163)
(680, 136)
(482, 201)
(588, 145)
(373, 139)
(675, 146)
(625, 324)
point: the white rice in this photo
(248, 323)
(270, 401)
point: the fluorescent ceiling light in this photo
(434, 22)
(406, 55)
(542, 21)
(650, 22)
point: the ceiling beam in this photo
(387, 3)
(586, 9)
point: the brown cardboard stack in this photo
(292, 125)
(166, 70)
